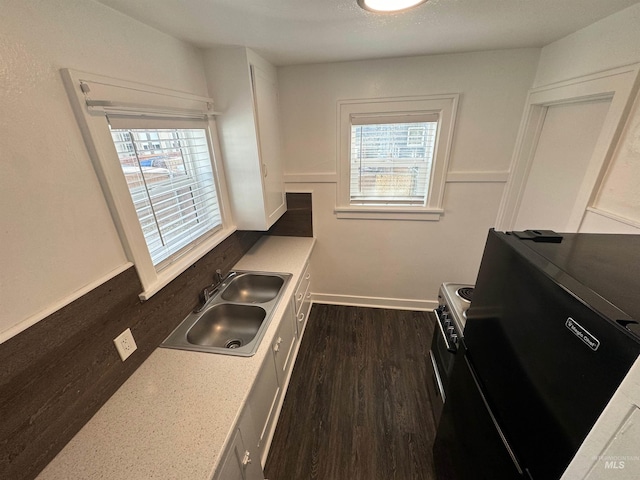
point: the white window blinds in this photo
(168, 169)
(391, 160)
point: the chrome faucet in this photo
(210, 291)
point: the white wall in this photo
(612, 42)
(620, 190)
(391, 260)
(57, 235)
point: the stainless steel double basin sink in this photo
(235, 318)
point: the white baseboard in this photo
(374, 302)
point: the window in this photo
(390, 164)
(416, 134)
(393, 156)
(171, 185)
(157, 156)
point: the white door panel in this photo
(564, 150)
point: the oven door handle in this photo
(451, 347)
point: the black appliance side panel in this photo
(545, 385)
(468, 446)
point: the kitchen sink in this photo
(227, 325)
(230, 322)
(253, 288)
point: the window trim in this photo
(156, 188)
(444, 105)
(124, 96)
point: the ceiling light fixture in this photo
(389, 6)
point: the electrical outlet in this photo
(125, 344)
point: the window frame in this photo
(143, 100)
(154, 189)
(445, 106)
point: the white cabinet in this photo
(261, 412)
(249, 447)
(244, 87)
(303, 300)
(263, 401)
(284, 347)
(265, 98)
(241, 461)
(268, 391)
(619, 459)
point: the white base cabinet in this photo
(268, 391)
(241, 461)
(284, 347)
(263, 400)
(253, 436)
(303, 300)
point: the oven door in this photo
(435, 388)
(440, 366)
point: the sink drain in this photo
(235, 343)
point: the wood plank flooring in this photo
(357, 406)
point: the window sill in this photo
(172, 271)
(389, 213)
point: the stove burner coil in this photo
(465, 293)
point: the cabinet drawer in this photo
(303, 286)
(303, 314)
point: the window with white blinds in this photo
(157, 156)
(391, 162)
(172, 184)
(393, 156)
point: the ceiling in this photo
(290, 32)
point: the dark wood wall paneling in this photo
(297, 221)
(57, 374)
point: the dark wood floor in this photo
(357, 406)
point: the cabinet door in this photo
(232, 463)
(239, 463)
(250, 461)
(284, 345)
(265, 95)
(263, 400)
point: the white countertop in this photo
(172, 417)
